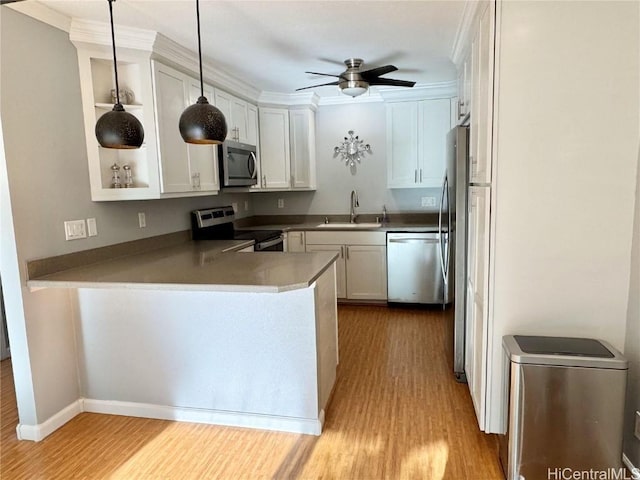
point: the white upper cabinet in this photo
(482, 97)
(287, 149)
(274, 148)
(237, 114)
(416, 142)
(302, 127)
(184, 168)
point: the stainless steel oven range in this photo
(216, 223)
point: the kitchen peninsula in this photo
(198, 332)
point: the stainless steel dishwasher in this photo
(413, 268)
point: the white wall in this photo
(632, 344)
(567, 146)
(335, 180)
(47, 183)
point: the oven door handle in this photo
(269, 243)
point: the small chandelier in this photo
(352, 150)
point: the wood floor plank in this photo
(396, 413)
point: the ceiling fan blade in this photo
(391, 82)
(325, 74)
(376, 72)
(4, 2)
(321, 85)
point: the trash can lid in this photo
(563, 351)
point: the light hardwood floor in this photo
(396, 413)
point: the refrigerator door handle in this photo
(448, 245)
(445, 184)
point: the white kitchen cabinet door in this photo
(402, 144)
(274, 148)
(303, 148)
(172, 150)
(252, 124)
(295, 242)
(341, 272)
(366, 272)
(481, 126)
(239, 117)
(203, 159)
(223, 103)
(477, 297)
(434, 124)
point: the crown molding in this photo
(463, 33)
(420, 92)
(183, 58)
(83, 32)
(298, 99)
(99, 33)
(43, 14)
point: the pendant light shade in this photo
(202, 123)
(117, 128)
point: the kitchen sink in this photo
(346, 225)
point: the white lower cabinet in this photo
(477, 297)
(294, 242)
(341, 271)
(362, 264)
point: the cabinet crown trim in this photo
(83, 32)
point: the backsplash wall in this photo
(335, 180)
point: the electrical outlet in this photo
(246, 204)
(92, 227)
(428, 201)
(75, 229)
(637, 429)
(142, 220)
(281, 203)
(234, 205)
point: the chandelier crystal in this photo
(351, 150)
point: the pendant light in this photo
(202, 122)
(117, 128)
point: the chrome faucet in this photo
(354, 205)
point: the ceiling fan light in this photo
(119, 129)
(202, 123)
(354, 88)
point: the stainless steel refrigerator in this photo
(452, 224)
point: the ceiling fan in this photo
(355, 82)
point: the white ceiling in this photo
(270, 44)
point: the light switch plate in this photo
(234, 205)
(281, 203)
(637, 430)
(142, 220)
(92, 227)
(75, 229)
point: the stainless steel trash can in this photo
(565, 407)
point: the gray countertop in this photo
(204, 266)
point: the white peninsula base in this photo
(259, 360)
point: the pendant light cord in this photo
(113, 43)
(199, 47)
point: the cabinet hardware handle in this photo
(264, 181)
(301, 238)
(420, 175)
(341, 251)
(415, 176)
(347, 249)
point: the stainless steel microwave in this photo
(238, 164)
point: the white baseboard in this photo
(40, 431)
(215, 417)
(632, 468)
(179, 414)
